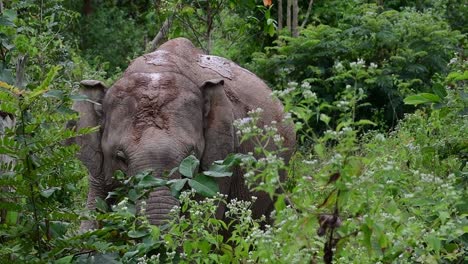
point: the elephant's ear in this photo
(218, 131)
(217, 122)
(90, 111)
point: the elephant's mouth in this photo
(159, 205)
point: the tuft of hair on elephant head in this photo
(168, 104)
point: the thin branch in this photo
(194, 32)
(162, 34)
(309, 9)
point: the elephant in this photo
(168, 104)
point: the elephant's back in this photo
(247, 92)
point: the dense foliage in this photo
(377, 93)
(388, 54)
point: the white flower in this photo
(453, 61)
(277, 139)
(292, 85)
(360, 61)
(310, 162)
(305, 85)
(338, 66)
(373, 65)
(255, 111)
(308, 94)
(380, 137)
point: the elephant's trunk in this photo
(159, 204)
(160, 201)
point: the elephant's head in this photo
(153, 120)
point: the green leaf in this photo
(137, 233)
(233, 160)
(5, 21)
(456, 76)
(421, 98)
(12, 217)
(367, 232)
(150, 181)
(434, 242)
(189, 166)
(64, 260)
(204, 185)
(365, 122)
(58, 228)
(383, 241)
(101, 205)
(326, 119)
(155, 232)
(78, 97)
(45, 84)
(439, 90)
(177, 185)
(119, 175)
(48, 192)
(320, 150)
(217, 174)
(54, 93)
(280, 203)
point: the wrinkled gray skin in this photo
(167, 105)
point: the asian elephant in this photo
(168, 104)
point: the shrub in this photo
(398, 53)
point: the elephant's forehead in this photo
(149, 93)
(136, 84)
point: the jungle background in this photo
(376, 91)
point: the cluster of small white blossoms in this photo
(359, 63)
(412, 147)
(427, 177)
(151, 260)
(142, 205)
(389, 166)
(310, 162)
(206, 206)
(270, 160)
(454, 59)
(380, 137)
(266, 236)
(121, 206)
(335, 134)
(272, 131)
(282, 93)
(308, 94)
(286, 70)
(240, 208)
(248, 124)
(337, 159)
(338, 66)
(343, 104)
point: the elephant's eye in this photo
(120, 155)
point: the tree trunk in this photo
(288, 14)
(280, 15)
(87, 7)
(295, 14)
